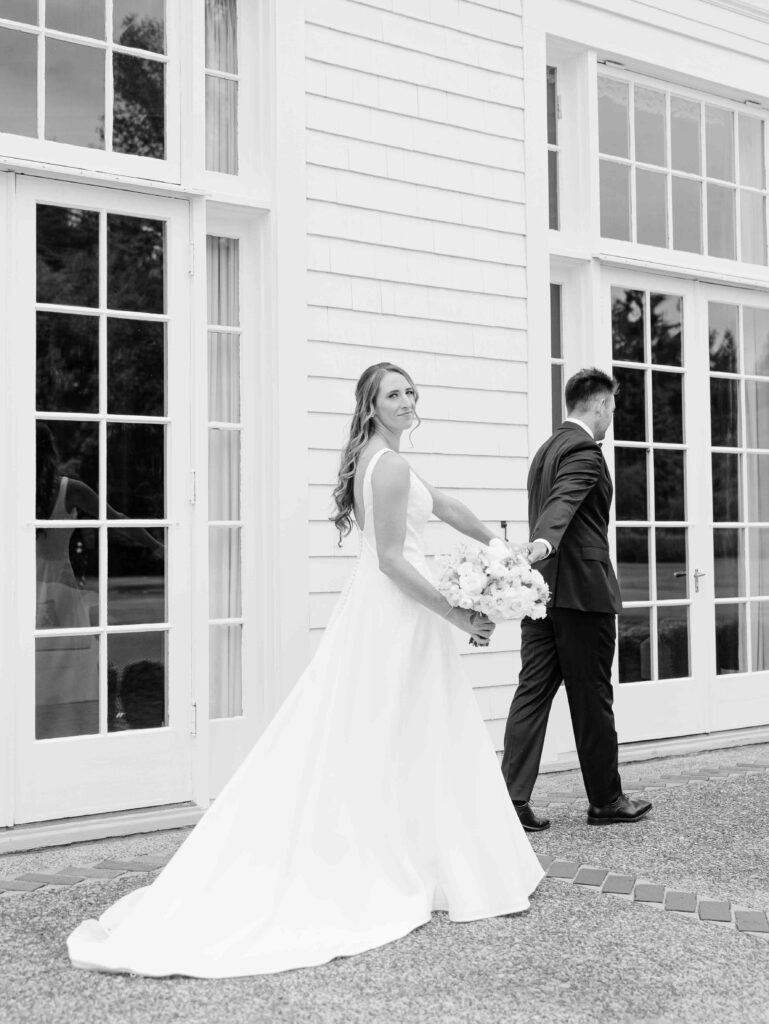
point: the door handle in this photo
(697, 574)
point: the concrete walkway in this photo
(662, 921)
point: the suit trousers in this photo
(577, 648)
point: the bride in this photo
(374, 797)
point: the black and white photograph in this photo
(384, 429)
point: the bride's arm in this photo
(390, 483)
(457, 514)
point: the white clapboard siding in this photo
(416, 254)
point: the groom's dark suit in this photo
(570, 494)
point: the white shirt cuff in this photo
(548, 545)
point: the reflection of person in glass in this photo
(61, 601)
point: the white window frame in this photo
(19, 150)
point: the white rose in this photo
(472, 583)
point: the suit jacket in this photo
(570, 494)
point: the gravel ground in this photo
(575, 958)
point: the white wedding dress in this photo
(373, 798)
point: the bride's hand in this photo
(479, 626)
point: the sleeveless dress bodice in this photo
(418, 511)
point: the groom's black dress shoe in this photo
(621, 809)
(529, 820)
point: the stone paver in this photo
(644, 892)
(590, 876)
(751, 921)
(621, 885)
(48, 878)
(684, 902)
(562, 869)
(714, 910)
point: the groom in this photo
(570, 493)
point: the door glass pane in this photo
(138, 663)
(224, 572)
(687, 214)
(672, 642)
(66, 686)
(67, 449)
(727, 488)
(630, 411)
(729, 561)
(615, 200)
(556, 394)
(136, 587)
(666, 326)
(757, 413)
(751, 133)
(753, 227)
(67, 256)
(80, 17)
(552, 107)
(18, 81)
(631, 483)
(685, 135)
(221, 35)
(651, 208)
(136, 469)
(650, 147)
(627, 325)
(67, 362)
(755, 340)
(670, 552)
(722, 337)
(719, 143)
(634, 645)
(669, 485)
(759, 628)
(224, 474)
(613, 121)
(223, 276)
(74, 94)
(633, 563)
(667, 407)
(731, 639)
(556, 347)
(757, 468)
(138, 111)
(725, 412)
(552, 189)
(67, 564)
(135, 264)
(136, 367)
(225, 646)
(758, 541)
(224, 377)
(721, 221)
(19, 10)
(140, 24)
(221, 125)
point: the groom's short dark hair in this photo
(585, 385)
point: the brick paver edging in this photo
(639, 891)
(545, 796)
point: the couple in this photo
(374, 797)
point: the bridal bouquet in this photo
(495, 580)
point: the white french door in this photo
(691, 511)
(100, 387)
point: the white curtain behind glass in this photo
(224, 476)
(221, 86)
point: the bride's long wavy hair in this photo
(362, 427)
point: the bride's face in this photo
(395, 403)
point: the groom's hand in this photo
(537, 551)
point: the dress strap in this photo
(369, 470)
